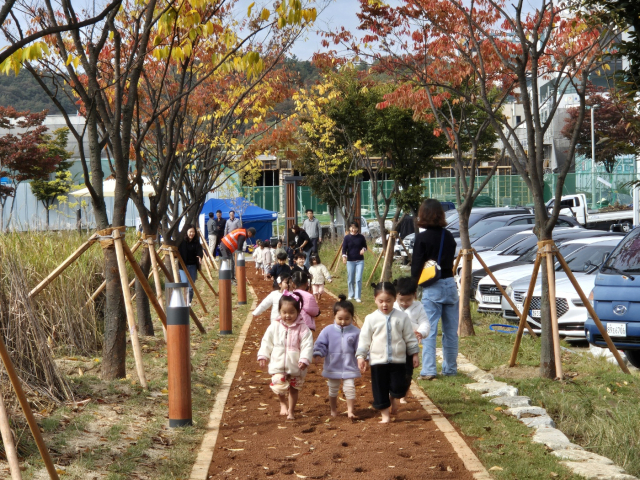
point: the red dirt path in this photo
(256, 442)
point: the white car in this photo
(488, 295)
(572, 313)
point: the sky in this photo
(337, 13)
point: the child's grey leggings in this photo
(348, 387)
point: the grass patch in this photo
(596, 407)
(498, 440)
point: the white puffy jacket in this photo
(271, 301)
(284, 346)
(418, 317)
(387, 339)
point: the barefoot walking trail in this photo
(255, 441)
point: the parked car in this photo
(483, 213)
(489, 297)
(616, 299)
(572, 313)
(497, 236)
(576, 205)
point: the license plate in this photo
(491, 298)
(535, 313)
(617, 329)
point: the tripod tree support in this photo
(592, 312)
(191, 282)
(24, 403)
(525, 309)
(392, 235)
(457, 262)
(133, 329)
(63, 266)
(550, 248)
(375, 267)
(103, 285)
(8, 443)
(463, 284)
(192, 314)
(504, 294)
(335, 258)
(212, 258)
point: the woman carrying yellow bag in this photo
(432, 267)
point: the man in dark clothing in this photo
(303, 243)
(234, 242)
(217, 231)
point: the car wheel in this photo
(634, 357)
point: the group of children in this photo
(388, 343)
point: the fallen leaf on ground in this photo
(496, 469)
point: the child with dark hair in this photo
(407, 302)
(387, 337)
(291, 251)
(338, 343)
(299, 260)
(266, 258)
(319, 275)
(279, 268)
(287, 347)
(299, 282)
(272, 300)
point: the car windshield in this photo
(626, 256)
(530, 255)
(511, 241)
(481, 228)
(493, 238)
(454, 222)
(586, 258)
(521, 247)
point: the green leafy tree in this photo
(47, 191)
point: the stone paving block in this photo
(512, 402)
(554, 439)
(543, 421)
(528, 410)
(581, 456)
(598, 471)
(506, 391)
(484, 387)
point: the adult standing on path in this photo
(303, 243)
(191, 252)
(312, 226)
(440, 299)
(232, 242)
(233, 223)
(353, 247)
(216, 230)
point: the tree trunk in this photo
(145, 325)
(466, 323)
(388, 259)
(2, 216)
(547, 358)
(46, 208)
(115, 327)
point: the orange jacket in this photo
(232, 240)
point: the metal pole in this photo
(224, 296)
(593, 160)
(178, 355)
(241, 277)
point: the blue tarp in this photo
(253, 216)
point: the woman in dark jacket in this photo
(191, 252)
(440, 300)
(353, 247)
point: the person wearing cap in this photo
(232, 242)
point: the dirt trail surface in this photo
(256, 442)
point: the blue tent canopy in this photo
(253, 216)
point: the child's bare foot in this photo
(284, 410)
(290, 416)
(352, 416)
(394, 406)
(403, 400)
(334, 413)
(386, 417)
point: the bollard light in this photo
(224, 297)
(178, 354)
(241, 277)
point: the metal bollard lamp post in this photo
(224, 297)
(178, 354)
(241, 276)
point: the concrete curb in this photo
(200, 470)
(574, 457)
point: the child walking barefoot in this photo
(407, 302)
(387, 337)
(257, 256)
(272, 300)
(299, 282)
(267, 259)
(338, 343)
(287, 346)
(319, 275)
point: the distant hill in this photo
(24, 93)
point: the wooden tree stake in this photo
(63, 266)
(24, 403)
(191, 282)
(156, 276)
(392, 235)
(375, 267)
(212, 258)
(131, 320)
(525, 310)
(553, 310)
(8, 443)
(333, 263)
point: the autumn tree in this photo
(615, 127)
(48, 190)
(23, 155)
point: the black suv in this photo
(484, 213)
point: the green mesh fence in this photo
(601, 189)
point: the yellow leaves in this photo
(35, 51)
(250, 8)
(265, 14)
